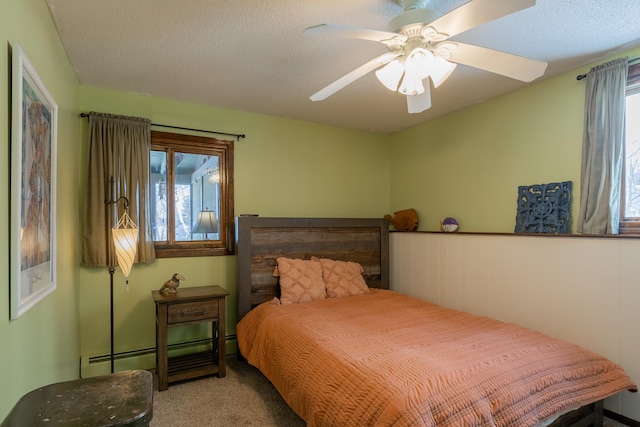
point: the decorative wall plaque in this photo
(544, 208)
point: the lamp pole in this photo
(111, 271)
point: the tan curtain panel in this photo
(118, 165)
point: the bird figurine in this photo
(406, 220)
(171, 285)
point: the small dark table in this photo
(189, 306)
(121, 399)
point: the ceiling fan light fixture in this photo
(419, 63)
(430, 34)
(441, 69)
(419, 103)
(444, 50)
(390, 74)
(411, 86)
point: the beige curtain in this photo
(119, 149)
(602, 148)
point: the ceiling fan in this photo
(421, 52)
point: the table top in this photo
(190, 294)
(120, 399)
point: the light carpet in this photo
(244, 397)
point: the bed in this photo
(382, 358)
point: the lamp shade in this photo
(390, 74)
(418, 64)
(125, 241)
(207, 222)
(441, 70)
(411, 86)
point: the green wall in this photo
(41, 346)
(282, 168)
(469, 164)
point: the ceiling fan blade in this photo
(477, 12)
(506, 64)
(356, 33)
(353, 76)
(421, 102)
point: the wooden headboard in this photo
(262, 240)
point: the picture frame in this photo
(34, 126)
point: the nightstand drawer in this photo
(192, 311)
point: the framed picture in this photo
(34, 118)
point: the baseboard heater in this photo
(144, 358)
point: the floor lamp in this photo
(125, 242)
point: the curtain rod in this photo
(237, 135)
(631, 62)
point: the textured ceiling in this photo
(251, 55)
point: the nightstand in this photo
(188, 307)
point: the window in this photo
(191, 195)
(630, 194)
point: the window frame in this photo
(171, 142)
(629, 225)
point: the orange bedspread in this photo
(391, 360)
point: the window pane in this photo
(159, 206)
(206, 204)
(632, 157)
(206, 200)
(197, 197)
(182, 198)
